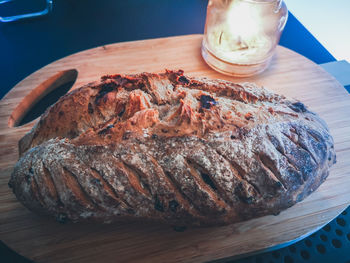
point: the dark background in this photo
(76, 25)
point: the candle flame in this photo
(244, 24)
(239, 33)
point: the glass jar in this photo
(241, 35)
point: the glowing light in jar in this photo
(240, 37)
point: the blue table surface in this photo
(73, 26)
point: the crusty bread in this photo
(171, 148)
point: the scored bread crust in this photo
(171, 148)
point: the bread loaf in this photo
(171, 148)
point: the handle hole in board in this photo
(42, 97)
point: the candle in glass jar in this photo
(242, 32)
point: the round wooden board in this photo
(45, 240)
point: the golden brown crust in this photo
(167, 147)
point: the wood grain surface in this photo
(45, 240)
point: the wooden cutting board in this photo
(291, 74)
